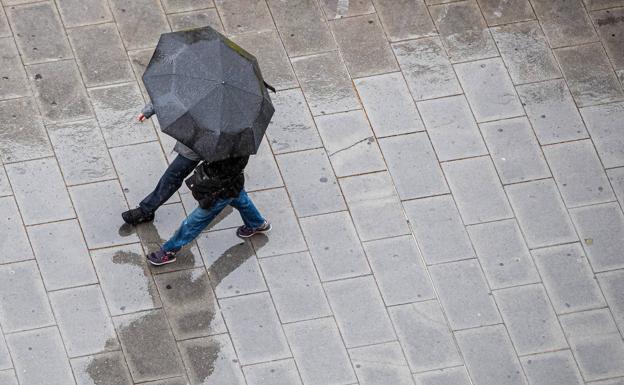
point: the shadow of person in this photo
(232, 258)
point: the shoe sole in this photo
(255, 232)
(162, 263)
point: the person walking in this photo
(169, 183)
(214, 185)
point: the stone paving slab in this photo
(444, 178)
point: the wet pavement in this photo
(445, 181)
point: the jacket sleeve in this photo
(148, 111)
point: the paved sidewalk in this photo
(445, 180)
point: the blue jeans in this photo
(200, 218)
(169, 183)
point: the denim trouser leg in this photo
(200, 218)
(169, 183)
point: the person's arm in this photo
(147, 112)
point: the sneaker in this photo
(246, 231)
(161, 257)
(136, 216)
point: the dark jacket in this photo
(219, 179)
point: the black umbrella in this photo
(208, 93)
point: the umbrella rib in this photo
(186, 76)
(243, 90)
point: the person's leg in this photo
(197, 221)
(253, 220)
(169, 183)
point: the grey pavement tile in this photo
(381, 364)
(552, 112)
(100, 54)
(601, 229)
(452, 128)
(578, 173)
(425, 336)
(125, 279)
(541, 213)
(211, 360)
(139, 60)
(405, 19)
(153, 234)
(268, 49)
(7, 377)
(464, 294)
(241, 16)
(276, 373)
(148, 345)
(530, 319)
(455, 376)
(616, 177)
(331, 235)
(185, 5)
(350, 143)
(27, 178)
(503, 254)
(285, 236)
(39, 32)
(5, 30)
(610, 26)
(554, 368)
(5, 358)
(589, 75)
(261, 172)
(374, 206)
(477, 190)
(302, 28)
(490, 357)
(117, 108)
(319, 352)
(463, 31)
(399, 270)
(602, 4)
(23, 302)
(336, 9)
(612, 284)
(568, 278)
(325, 83)
(595, 343)
(564, 22)
(295, 287)
(195, 19)
(39, 357)
(107, 368)
(62, 255)
(232, 266)
(363, 57)
(140, 22)
(359, 311)
(59, 91)
(168, 381)
(13, 83)
(438, 229)
(525, 51)
(81, 152)
(140, 167)
(616, 381)
(23, 136)
(81, 12)
(609, 142)
(388, 104)
(311, 183)
(489, 90)
(190, 304)
(413, 164)
(504, 11)
(5, 187)
(99, 207)
(83, 320)
(515, 150)
(255, 328)
(11, 223)
(292, 127)
(426, 68)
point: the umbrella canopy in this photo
(208, 93)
